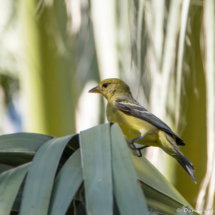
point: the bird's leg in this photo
(139, 150)
(134, 140)
(143, 133)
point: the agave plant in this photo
(93, 172)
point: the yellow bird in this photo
(138, 124)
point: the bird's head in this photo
(110, 87)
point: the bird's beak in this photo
(94, 90)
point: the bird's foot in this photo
(139, 150)
(133, 147)
(132, 143)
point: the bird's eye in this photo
(105, 85)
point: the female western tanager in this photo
(138, 124)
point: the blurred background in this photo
(53, 51)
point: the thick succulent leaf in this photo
(160, 194)
(66, 185)
(73, 144)
(17, 202)
(40, 178)
(19, 148)
(158, 202)
(128, 193)
(4, 167)
(71, 147)
(19, 142)
(148, 174)
(96, 161)
(96, 150)
(10, 182)
(16, 158)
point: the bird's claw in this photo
(132, 146)
(138, 149)
(140, 153)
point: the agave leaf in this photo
(66, 185)
(128, 193)
(17, 202)
(160, 195)
(159, 202)
(19, 148)
(96, 161)
(149, 175)
(10, 182)
(22, 142)
(96, 150)
(5, 167)
(40, 178)
(16, 158)
(73, 143)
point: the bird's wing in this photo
(131, 106)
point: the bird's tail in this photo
(188, 166)
(185, 162)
